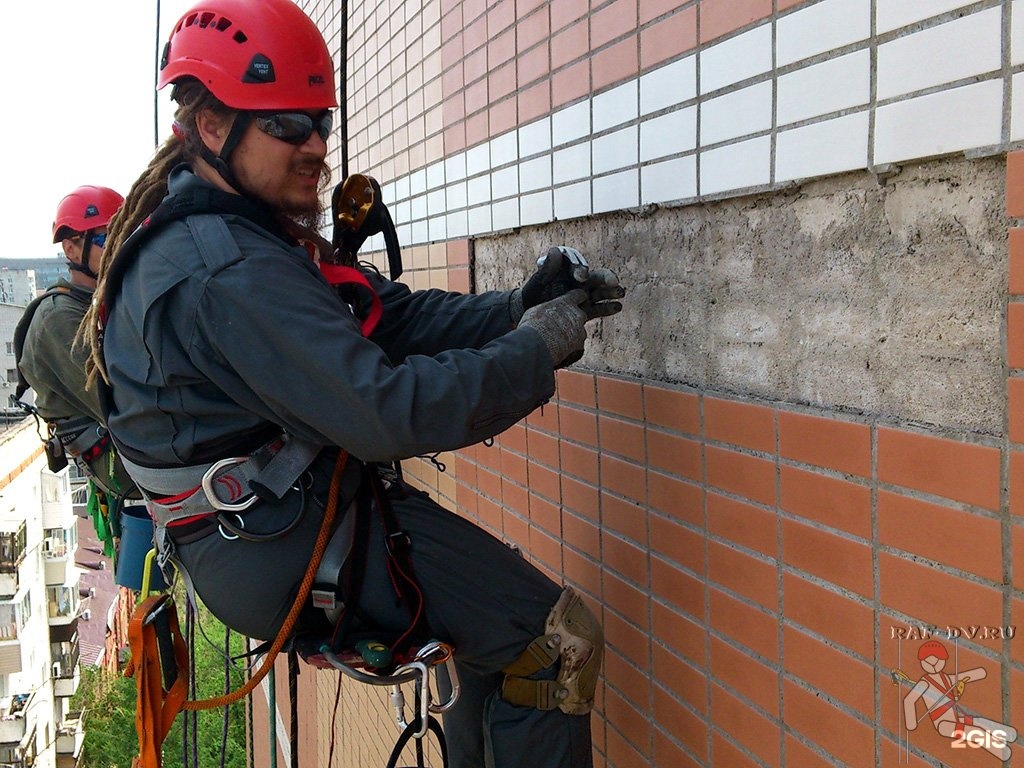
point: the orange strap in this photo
(155, 710)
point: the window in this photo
(10, 347)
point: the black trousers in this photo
(480, 595)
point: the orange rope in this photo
(300, 601)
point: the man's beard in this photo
(312, 217)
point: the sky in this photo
(78, 105)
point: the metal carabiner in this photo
(422, 697)
(436, 647)
(210, 476)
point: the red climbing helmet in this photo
(252, 55)
(83, 209)
(932, 648)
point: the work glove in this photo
(560, 270)
(560, 324)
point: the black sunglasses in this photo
(294, 127)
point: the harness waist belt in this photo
(229, 485)
(79, 434)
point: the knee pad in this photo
(573, 637)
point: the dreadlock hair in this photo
(143, 198)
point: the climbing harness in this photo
(159, 660)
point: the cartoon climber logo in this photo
(936, 696)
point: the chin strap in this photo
(220, 163)
(84, 266)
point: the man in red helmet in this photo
(49, 360)
(238, 377)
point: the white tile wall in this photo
(537, 208)
(418, 207)
(457, 196)
(535, 137)
(947, 121)
(748, 110)
(504, 149)
(736, 166)
(505, 215)
(674, 179)
(436, 202)
(1017, 108)
(942, 54)
(830, 86)
(615, 150)
(435, 175)
(821, 27)
(535, 174)
(669, 134)
(616, 106)
(1017, 32)
(892, 14)
(570, 124)
(619, 190)
(832, 146)
(478, 159)
(455, 167)
(667, 86)
(505, 182)
(543, 170)
(457, 224)
(572, 201)
(571, 163)
(437, 228)
(478, 189)
(480, 222)
(736, 59)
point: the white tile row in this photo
(939, 89)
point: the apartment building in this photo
(40, 608)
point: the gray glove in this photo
(560, 323)
(559, 270)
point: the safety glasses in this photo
(294, 127)
(98, 238)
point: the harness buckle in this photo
(210, 476)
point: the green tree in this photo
(109, 702)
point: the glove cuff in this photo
(515, 306)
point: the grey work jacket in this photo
(53, 365)
(220, 328)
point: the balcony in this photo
(12, 619)
(63, 602)
(13, 711)
(64, 653)
(55, 490)
(59, 545)
(70, 737)
(21, 755)
(12, 553)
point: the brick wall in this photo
(761, 562)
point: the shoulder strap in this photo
(21, 330)
(197, 200)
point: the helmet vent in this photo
(209, 18)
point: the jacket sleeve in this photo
(431, 321)
(273, 335)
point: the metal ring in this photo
(232, 537)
